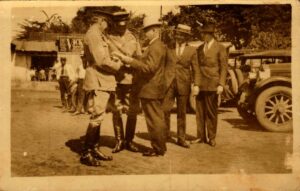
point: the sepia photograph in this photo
(106, 90)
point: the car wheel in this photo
(231, 87)
(239, 76)
(273, 109)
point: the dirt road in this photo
(46, 142)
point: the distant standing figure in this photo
(80, 91)
(65, 76)
(42, 75)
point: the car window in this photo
(253, 62)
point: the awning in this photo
(35, 46)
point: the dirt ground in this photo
(46, 142)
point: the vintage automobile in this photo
(265, 96)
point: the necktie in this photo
(63, 70)
(205, 48)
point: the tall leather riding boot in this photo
(130, 127)
(92, 136)
(130, 131)
(91, 140)
(119, 132)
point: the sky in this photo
(19, 14)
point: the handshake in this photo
(118, 56)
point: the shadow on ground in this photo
(77, 145)
(244, 125)
(146, 136)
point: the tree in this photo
(245, 26)
(52, 24)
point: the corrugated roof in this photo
(35, 46)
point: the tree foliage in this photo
(52, 24)
(246, 26)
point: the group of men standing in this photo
(121, 77)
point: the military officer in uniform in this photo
(181, 59)
(123, 41)
(100, 79)
(151, 85)
(212, 61)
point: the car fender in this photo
(254, 88)
(274, 80)
(270, 82)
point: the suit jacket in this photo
(213, 67)
(100, 73)
(150, 79)
(180, 68)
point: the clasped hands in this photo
(122, 57)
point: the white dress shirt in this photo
(180, 48)
(207, 45)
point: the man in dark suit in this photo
(212, 60)
(181, 58)
(151, 86)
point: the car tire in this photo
(240, 77)
(273, 109)
(230, 88)
(234, 86)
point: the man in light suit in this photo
(212, 61)
(100, 80)
(150, 82)
(180, 61)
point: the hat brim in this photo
(183, 32)
(206, 31)
(147, 27)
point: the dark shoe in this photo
(89, 160)
(212, 143)
(199, 140)
(131, 147)
(101, 156)
(183, 144)
(72, 111)
(152, 153)
(170, 139)
(118, 147)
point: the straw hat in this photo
(183, 29)
(150, 23)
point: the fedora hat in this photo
(208, 28)
(183, 29)
(150, 23)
